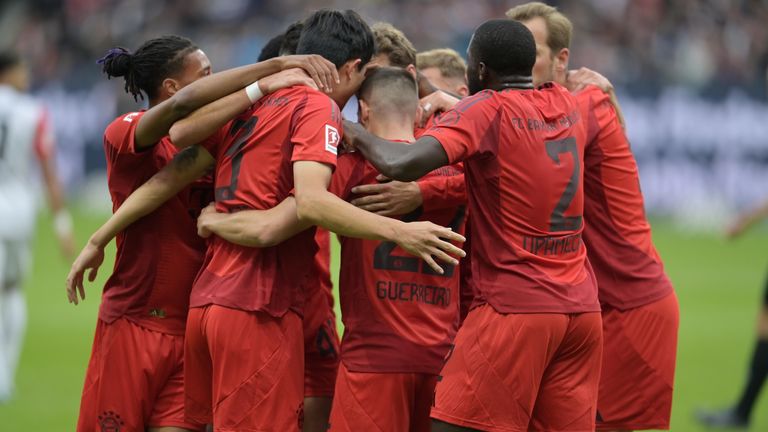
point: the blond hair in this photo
(447, 61)
(559, 27)
(393, 43)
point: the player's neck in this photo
(514, 82)
(156, 101)
(392, 131)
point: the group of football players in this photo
(497, 271)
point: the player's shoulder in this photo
(123, 123)
(591, 95)
(302, 99)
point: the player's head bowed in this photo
(501, 54)
(146, 70)
(343, 38)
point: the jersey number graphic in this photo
(243, 129)
(384, 260)
(558, 221)
(3, 138)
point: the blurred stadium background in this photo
(691, 78)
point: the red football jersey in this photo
(159, 255)
(523, 151)
(399, 315)
(254, 155)
(629, 271)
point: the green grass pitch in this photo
(719, 285)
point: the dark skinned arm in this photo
(394, 160)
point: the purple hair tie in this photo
(113, 52)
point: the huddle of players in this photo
(527, 165)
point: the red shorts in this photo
(134, 380)
(520, 372)
(244, 370)
(321, 346)
(639, 351)
(382, 401)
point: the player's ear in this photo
(363, 113)
(351, 68)
(482, 72)
(462, 90)
(170, 86)
(561, 61)
(412, 70)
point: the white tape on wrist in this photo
(254, 92)
(62, 223)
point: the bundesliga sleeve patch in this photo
(332, 139)
(129, 118)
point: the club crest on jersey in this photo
(129, 118)
(332, 139)
(110, 421)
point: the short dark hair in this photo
(291, 38)
(8, 61)
(339, 36)
(505, 46)
(272, 48)
(145, 69)
(395, 88)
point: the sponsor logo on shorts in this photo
(300, 415)
(110, 421)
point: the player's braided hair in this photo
(145, 69)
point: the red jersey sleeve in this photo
(439, 193)
(460, 130)
(316, 129)
(120, 134)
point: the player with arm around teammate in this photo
(528, 354)
(145, 301)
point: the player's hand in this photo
(207, 216)
(426, 87)
(285, 79)
(90, 258)
(388, 199)
(429, 242)
(436, 102)
(578, 79)
(322, 71)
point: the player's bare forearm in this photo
(317, 206)
(205, 121)
(394, 160)
(188, 166)
(257, 228)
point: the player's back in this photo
(628, 268)
(159, 255)
(523, 165)
(400, 315)
(254, 158)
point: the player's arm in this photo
(253, 228)
(394, 160)
(205, 121)
(188, 165)
(747, 220)
(580, 78)
(156, 122)
(391, 198)
(46, 157)
(317, 206)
